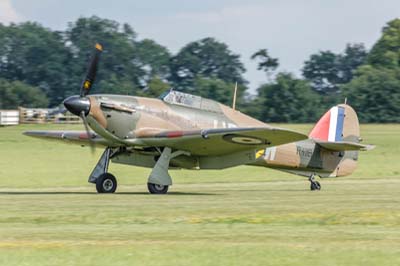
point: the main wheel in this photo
(106, 183)
(315, 185)
(157, 189)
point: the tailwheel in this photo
(106, 183)
(315, 185)
(157, 189)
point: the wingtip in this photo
(369, 147)
(30, 133)
(34, 133)
(26, 133)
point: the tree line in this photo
(40, 67)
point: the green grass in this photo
(50, 215)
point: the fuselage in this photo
(127, 117)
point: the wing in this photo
(219, 141)
(198, 142)
(72, 137)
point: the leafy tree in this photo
(117, 85)
(217, 89)
(127, 65)
(288, 99)
(34, 55)
(354, 56)
(207, 58)
(327, 71)
(266, 62)
(16, 93)
(119, 61)
(153, 59)
(321, 69)
(375, 94)
(386, 51)
(375, 90)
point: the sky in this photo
(291, 30)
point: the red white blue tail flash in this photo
(330, 126)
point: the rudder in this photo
(340, 123)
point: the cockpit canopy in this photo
(189, 100)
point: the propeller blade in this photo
(89, 135)
(91, 74)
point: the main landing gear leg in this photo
(315, 185)
(105, 182)
(159, 179)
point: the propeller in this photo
(80, 105)
(91, 73)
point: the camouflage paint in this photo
(131, 122)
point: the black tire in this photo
(106, 183)
(315, 186)
(157, 189)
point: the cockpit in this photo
(189, 100)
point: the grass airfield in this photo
(50, 215)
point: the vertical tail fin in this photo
(340, 123)
(338, 134)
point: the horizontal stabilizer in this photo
(344, 146)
